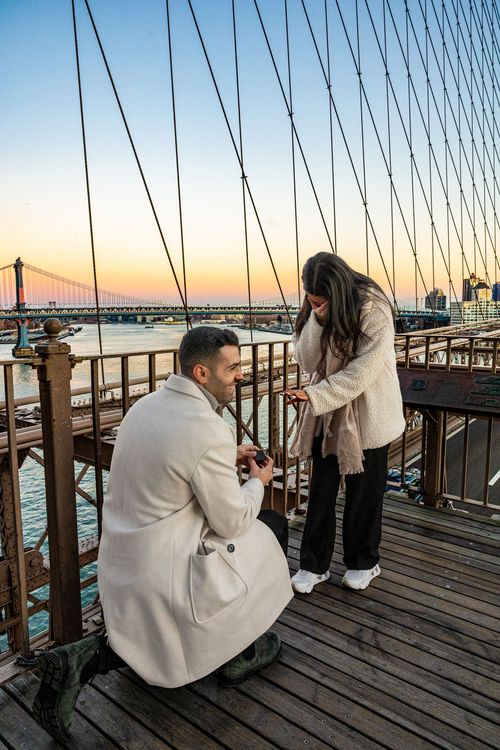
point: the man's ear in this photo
(200, 374)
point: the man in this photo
(190, 579)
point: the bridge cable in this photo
(289, 111)
(362, 128)
(407, 137)
(87, 186)
(243, 175)
(292, 144)
(330, 118)
(389, 146)
(179, 194)
(350, 157)
(238, 156)
(432, 300)
(138, 162)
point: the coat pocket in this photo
(214, 585)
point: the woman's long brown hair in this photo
(327, 275)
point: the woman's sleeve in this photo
(347, 384)
(307, 348)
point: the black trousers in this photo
(362, 522)
(106, 659)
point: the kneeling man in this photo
(190, 579)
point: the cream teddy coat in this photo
(370, 377)
(188, 577)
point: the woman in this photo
(352, 410)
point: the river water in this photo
(116, 338)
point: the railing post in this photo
(54, 375)
(433, 457)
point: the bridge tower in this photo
(22, 347)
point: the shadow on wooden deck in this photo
(412, 662)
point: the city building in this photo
(495, 292)
(474, 312)
(436, 300)
(474, 289)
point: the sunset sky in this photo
(43, 209)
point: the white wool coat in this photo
(370, 377)
(188, 577)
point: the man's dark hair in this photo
(201, 344)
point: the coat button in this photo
(230, 547)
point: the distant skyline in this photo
(43, 209)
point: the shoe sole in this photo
(310, 587)
(238, 680)
(54, 673)
(362, 588)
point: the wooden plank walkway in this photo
(412, 662)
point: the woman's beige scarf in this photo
(340, 428)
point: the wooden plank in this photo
(405, 724)
(465, 634)
(315, 697)
(116, 723)
(83, 735)
(287, 698)
(410, 646)
(145, 707)
(461, 534)
(19, 730)
(431, 637)
(380, 652)
(421, 565)
(458, 519)
(276, 728)
(390, 675)
(461, 603)
(218, 723)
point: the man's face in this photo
(224, 373)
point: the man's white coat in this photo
(188, 577)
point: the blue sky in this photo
(43, 205)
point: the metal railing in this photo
(45, 571)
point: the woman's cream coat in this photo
(370, 377)
(188, 577)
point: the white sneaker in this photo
(304, 581)
(360, 579)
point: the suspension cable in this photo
(243, 175)
(138, 162)
(330, 117)
(177, 168)
(292, 142)
(87, 187)
(238, 156)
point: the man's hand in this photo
(295, 396)
(264, 473)
(244, 453)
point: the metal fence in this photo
(50, 519)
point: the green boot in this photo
(61, 671)
(267, 649)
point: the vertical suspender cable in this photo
(243, 175)
(330, 112)
(179, 194)
(408, 77)
(389, 152)
(292, 140)
(362, 126)
(446, 170)
(433, 299)
(493, 94)
(87, 184)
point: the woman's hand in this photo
(295, 396)
(321, 312)
(244, 453)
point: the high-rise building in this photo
(436, 300)
(495, 292)
(475, 289)
(476, 311)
